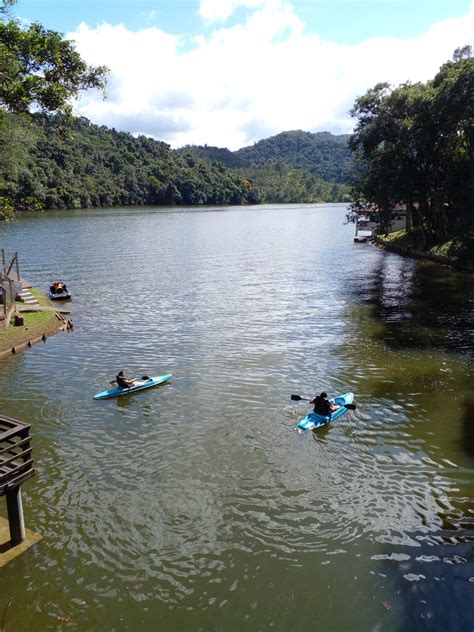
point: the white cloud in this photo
(251, 80)
(149, 15)
(221, 10)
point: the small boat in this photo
(313, 420)
(58, 291)
(144, 382)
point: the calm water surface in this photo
(196, 506)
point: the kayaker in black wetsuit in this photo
(123, 382)
(322, 406)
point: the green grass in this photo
(457, 251)
(40, 296)
(36, 324)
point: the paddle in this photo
(297, 398)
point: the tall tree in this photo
(414, 144)
(39, 71)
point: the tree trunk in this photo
(439, 215)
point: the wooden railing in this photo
(10, 285)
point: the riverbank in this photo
(456, 253)
(39, 323)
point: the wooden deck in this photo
(16, 466)
(16, 462)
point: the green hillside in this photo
(52, 162)
(212, 154)
(292, 166)
(323, 154)
(56, 162)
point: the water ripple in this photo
(198, 496)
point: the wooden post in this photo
(3, 293)
(17, 268)
(12, 293)
(15, 515)
(16, 466)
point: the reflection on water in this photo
(423, 306)
(195, 505)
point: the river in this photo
(196, 505)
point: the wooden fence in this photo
(10, 285)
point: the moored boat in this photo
(58, 291)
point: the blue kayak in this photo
(313, 420)
(139, 386)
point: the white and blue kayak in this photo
(140, 385)
(313, 420)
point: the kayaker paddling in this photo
(322, 406)
(131, 386)
(124, 382)
(331, 412)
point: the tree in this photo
(39, 71)
(414, 144)
(5, 6)
(464, 52)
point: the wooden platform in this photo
(8, 552)
(16, 462)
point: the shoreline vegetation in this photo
(40, 323)
(55, 162)
(456, 252)
(411, 145)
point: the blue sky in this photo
(341, 21)
(230, 72)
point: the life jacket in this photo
(321, 406)
(121, 381)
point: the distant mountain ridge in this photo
(322, 154)
(56, 162)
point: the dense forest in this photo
(323, 154)
(55, 161)
(293, 166)
(414, 144)
(51, 160)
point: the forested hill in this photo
(322, 154)
(290, 167)
(55, 162)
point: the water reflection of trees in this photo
(419, 305)
(408, 319)
(467, 424)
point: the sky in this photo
(229, 73)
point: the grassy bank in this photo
(36, 324)
(457, 252)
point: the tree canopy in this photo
(63, 162)
(57, 161)
(414, 144)
(39, 69)
(322, 154)
(291, 167)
